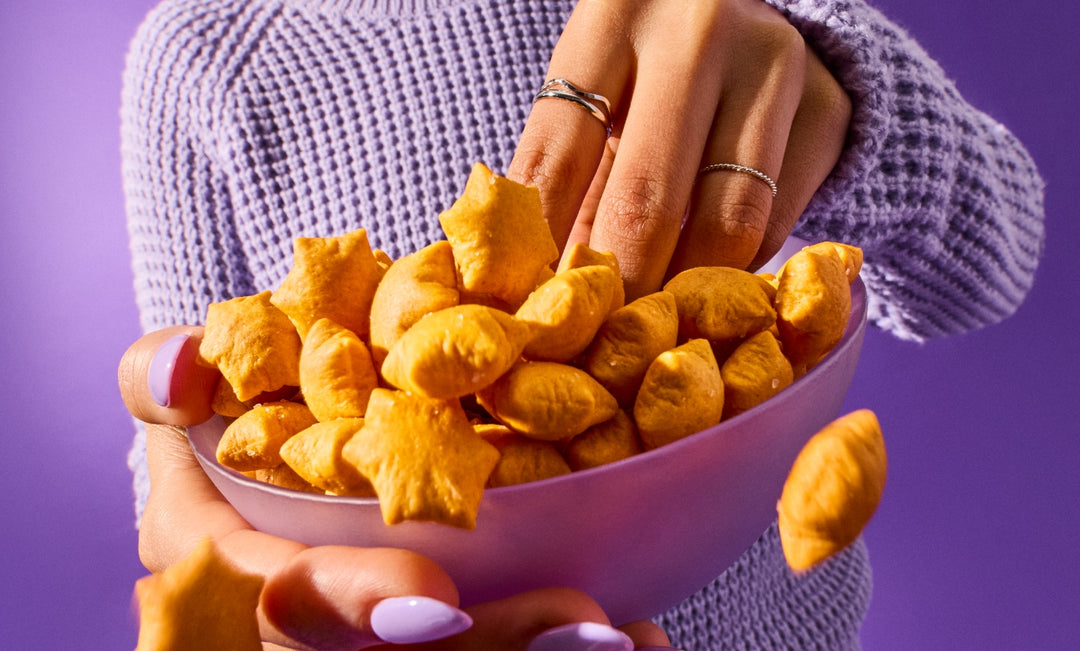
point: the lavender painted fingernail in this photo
(159, 375)
(411, 620)
(583, 636)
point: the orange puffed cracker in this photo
(337, 373)
(423, 458)
(521, 459)
(612, 440)
(721, 303)
(754, 372)
(682, 393)
(500, 239)
(832, 490)
(581, 255)
(315, 454)
(283, 476)
(253, 344)
(455, 351)
(253, 441)
(629, 340)
(413, 287)
(332, 278)
(200, 602)
(547, 400)
(565, 312)
(813, 304)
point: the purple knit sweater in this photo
(247, 123)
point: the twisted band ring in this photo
(597, 105)
(761, 176)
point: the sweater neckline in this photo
(375, 8)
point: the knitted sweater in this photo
(248, 123)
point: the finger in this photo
(644, 200)
(814, 146)
(161, 381)
(646, 634)
(314, 597)
(731, 209)
(581, 232)
(515, 622)
(562, 143)
(326, 597)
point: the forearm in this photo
(945, 202)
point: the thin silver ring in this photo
(597, 105)
(761, 176)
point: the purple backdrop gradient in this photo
(974, 546)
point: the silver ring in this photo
(597, 105)
(761, 176)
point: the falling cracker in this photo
(201, 602)
(832, 490)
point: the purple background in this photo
(974, 547)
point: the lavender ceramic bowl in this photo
(639, 535)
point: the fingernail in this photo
(160, 374)
(583, 636)
(412, 620)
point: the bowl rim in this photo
(856, 323)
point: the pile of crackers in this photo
(485, 360)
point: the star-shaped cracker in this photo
(201, 602)
(500, 239)
(253, 344)
(333, 278)
(423, 458)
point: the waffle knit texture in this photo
(248, 123)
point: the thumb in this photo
(161, 382)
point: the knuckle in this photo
(738, 228)
(783, 41)
(547, 160)
(826, 100)
(640, 207)
(541, 161)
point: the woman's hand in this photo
(320, 597)
(690, 84)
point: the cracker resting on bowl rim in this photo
(442, 479)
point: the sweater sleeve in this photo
(945, 202)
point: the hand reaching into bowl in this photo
(700, 105)
(329, 597)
